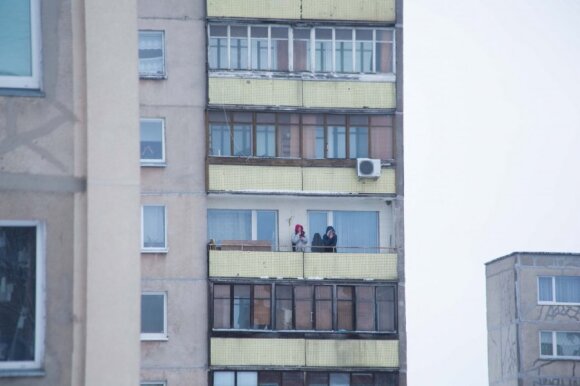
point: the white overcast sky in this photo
(492, 152)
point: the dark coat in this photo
(329, 242)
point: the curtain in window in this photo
(568, 344)
(545, 289)
(229, 225)
(151, 52)
(15, 38)
(357, 231)
(154, 227)
(568, 289)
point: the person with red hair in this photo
(299, 240)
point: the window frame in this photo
(554, 300)
(253, 223)
(145, 249)
(156, 336)
(226, 123)
(313, 300)
(311, 51)
(555, 355)
(151, 161)
(163, 74)
(40, 297)
(305, 376)
(34, 81)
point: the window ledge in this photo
(20, 92)
(558, 304)
(152, 77)
(154, 251)
(154, 338)
(145, 164)
(556, 358)
(22, 373)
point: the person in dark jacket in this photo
(317, 243)
(329, 240)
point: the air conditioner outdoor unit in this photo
(368, 168)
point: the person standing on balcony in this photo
(299, 240)
(329, 240)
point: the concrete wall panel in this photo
(352, 353)
(381, 266)
(257, 352)
(255, 264)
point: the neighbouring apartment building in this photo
(533, 319)
(175, 267)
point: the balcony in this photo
(246, 262)
(360, 10)
(304, 353)
(297, 179)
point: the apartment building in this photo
(161, 154)
(533, 302)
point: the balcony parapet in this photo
(307, 265)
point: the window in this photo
(317, 49)
(152, 141)
(20, 38)
(154, 228)
(151, 54)
(242, 225)
(357, 231)
(304, 307)
(21, 294)
(558, 344)
(323, 136)
(242, 306)
(559, 289)
(300, 378)
(154, 316)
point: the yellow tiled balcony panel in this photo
(304, 352)
(301, 93)
(256, 264)
(240, 178)
(379, 266)
(359, 10)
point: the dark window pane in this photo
(292, 378)
(385, 308)
(345, 308)
(359, 120)
(288, 141)
(265, 118)
(317, 379)
(365, 309)
(323, 33)
(221, 306)
(18, 293)
(364, 34)
(303, 300)
(336, 119)
(386, 379)
(259, 32)
(362, 379)
(323, 307)
(382, 142)
(269, 378)
(262, 305)
(239, 31)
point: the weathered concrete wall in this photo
(180, 186)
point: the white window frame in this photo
(155, 162)
(158, 336)
(40, 293)
(554, 301)
(144, 249)
(555, 346)
(34, 81)
(163, 74)
(254, 221)
(312, 52)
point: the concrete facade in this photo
(515, 318)
(69, 161)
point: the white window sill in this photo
(153, 164)
(152, 76)
(154, 338)
(5, 373)
(557, 304)
(559, 358)
(154, 251)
